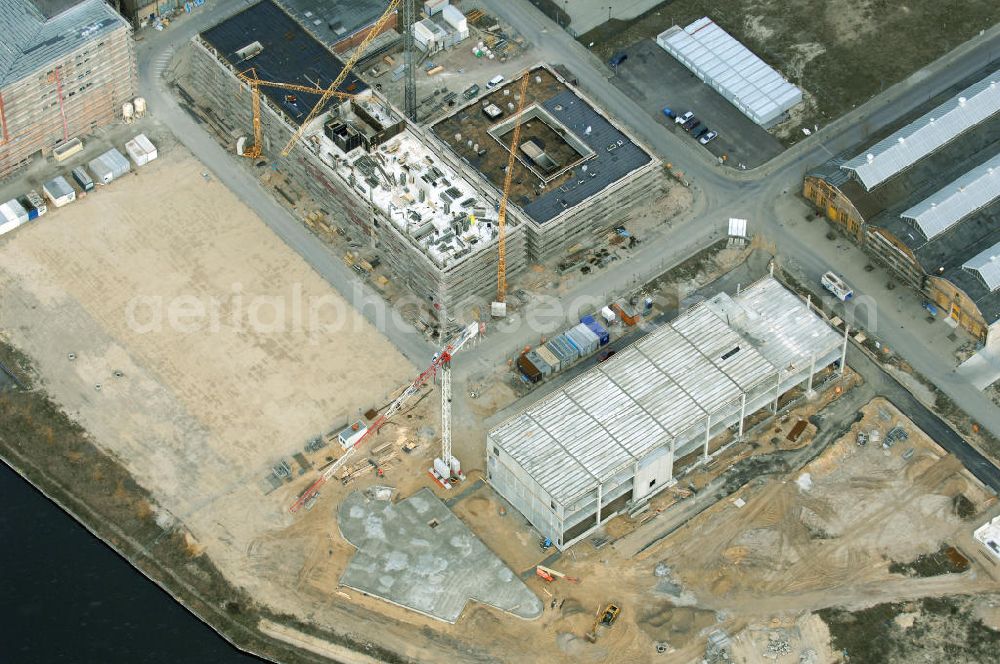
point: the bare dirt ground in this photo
(841, 52)
(198, 407)
(823, 536)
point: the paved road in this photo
(762, 194)
(154, 54)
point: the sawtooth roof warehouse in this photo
(607, 441)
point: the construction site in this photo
(80, 61)
(425, 201)
(714, 466)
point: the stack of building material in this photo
(12, 215)
(59, 191)
(584, 339)
(108, 166)
(456, 19)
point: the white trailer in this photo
(837, 286)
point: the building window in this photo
(496, 451)
(552, 504)
(652, 482)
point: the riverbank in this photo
(56, 456)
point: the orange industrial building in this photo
(63, 74)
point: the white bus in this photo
(837, 286)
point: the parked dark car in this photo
(693, 128)
(690, 123)
(617, 59)
(701, 132)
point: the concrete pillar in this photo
(809, 302)
(812, 369)
(600, 497)
(708, 428)
(777, 392)
(743, 414)
(673, 450)
(843, 352)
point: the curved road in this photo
(764, 195)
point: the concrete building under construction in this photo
(577, 174)
(432, 222)
(416, 196)
(65, 70)
(613, 437)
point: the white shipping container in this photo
(455, 18)
(14, 210)
(8, 226)
(103, 173)
(59, 191)
(137, 153)
(147, 147)
(432, 7)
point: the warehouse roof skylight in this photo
(957, 200)
(923, 136)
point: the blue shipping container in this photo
(597, 329)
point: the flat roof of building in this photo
(289, 54)
(719, 59)
(928, 133)
(32, 39)
(662, 386)
(425, 199)
(612, 155)
(333, 21)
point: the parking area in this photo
(655, 80)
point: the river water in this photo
(67, 597)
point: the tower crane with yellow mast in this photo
(499, 307)
(335, 86)
(249, 77)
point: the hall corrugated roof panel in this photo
(926, 134)
(719, 59)
(957, 200)
(987, 265)
(619, 411)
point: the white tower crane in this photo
(447, 467)
(309, 496)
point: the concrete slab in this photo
(586, 15)
(415, 553)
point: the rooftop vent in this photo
(250, 50)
